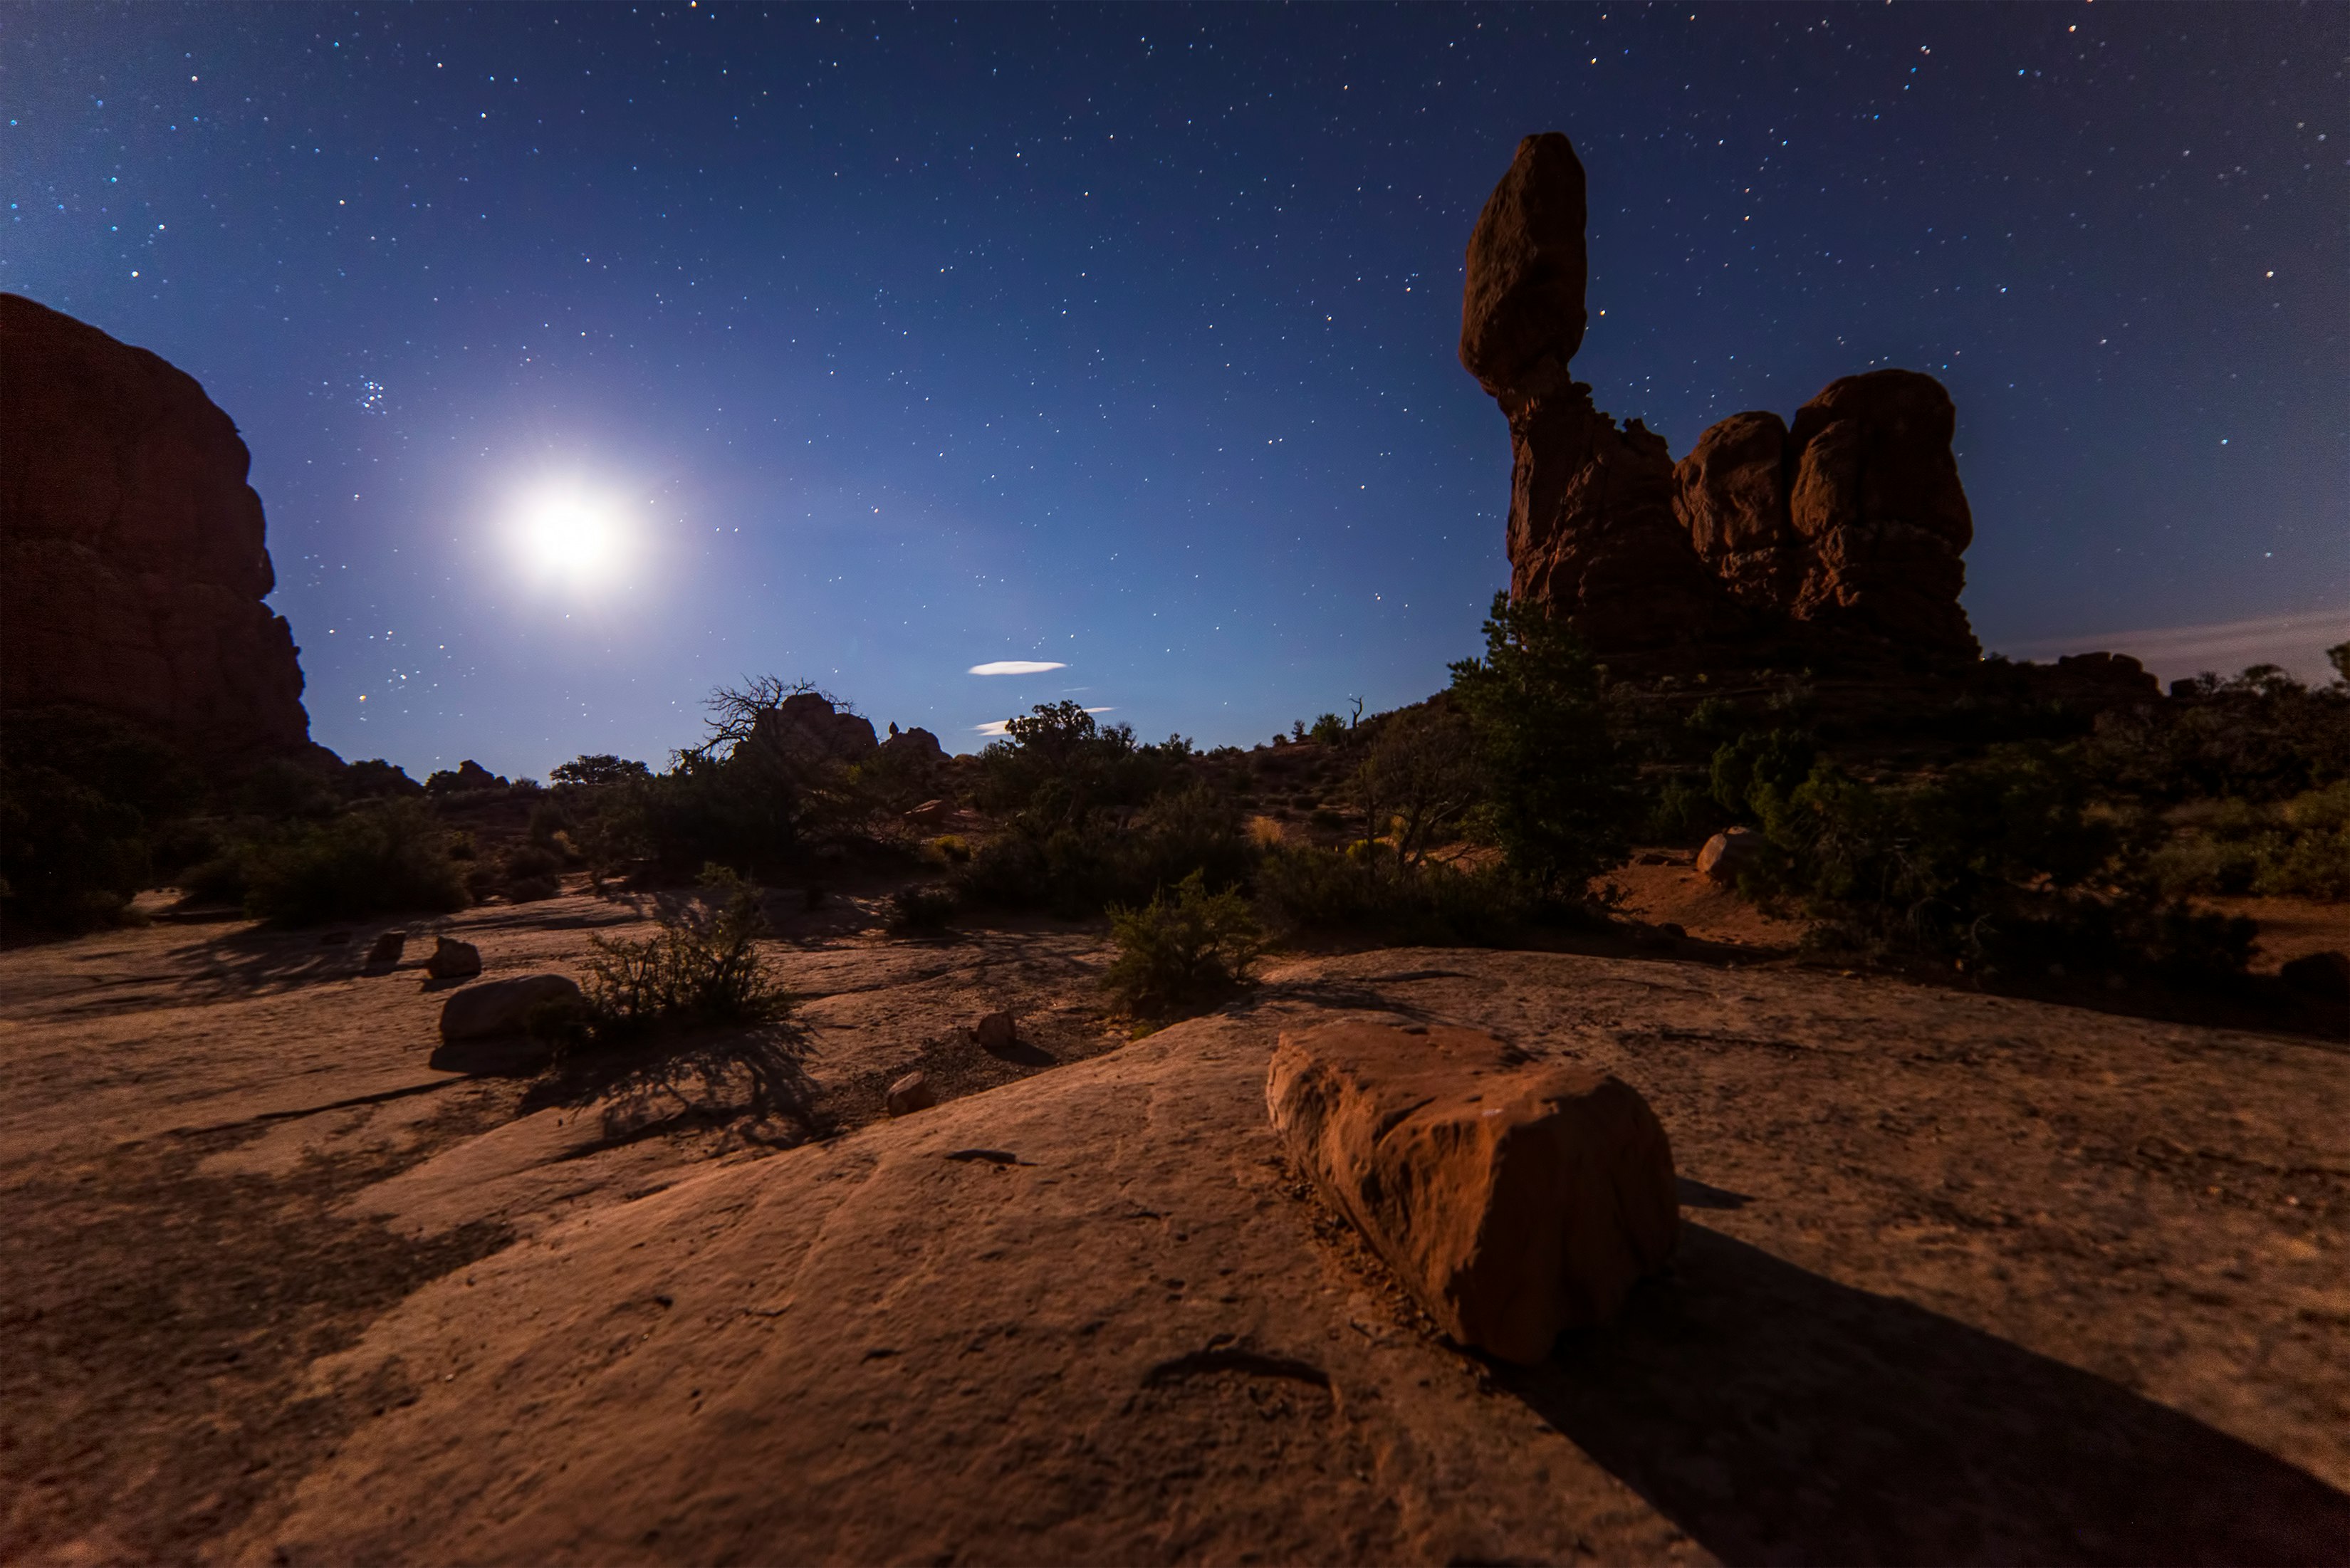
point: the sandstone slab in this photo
(1514, 1199)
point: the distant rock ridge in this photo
(1852, 524)
(133, 562)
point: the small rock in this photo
(998, 1032)
(2321, 974)
(1729, 853)
(388, 948)
(502, 1006)
(452, 959)
(930, 811)
(911, 1094)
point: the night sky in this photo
(590, 357)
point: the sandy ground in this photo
(1962, 1277)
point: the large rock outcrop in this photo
(1853, 523)
(1853, 519)
(1592, 532)
(132, 566)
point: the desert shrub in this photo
(1057, 766)
(2008, 861)
(380, 859)
(950, 849)
(82, 798)
(1419, 782)
(1188, 948)
(1557, 795)
(1329, 728)
(1760, 764)
(600, 768)
(1076, 869)
(1308, 890)
(1680, 812)
(2261, 735)
(533, 871)
(921, 912)
(700, 965)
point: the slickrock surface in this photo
(1513, 1197)
(1959, 1278)
(132, 561)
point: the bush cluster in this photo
(701, 966)
(1188, 949)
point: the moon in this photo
(571, 533)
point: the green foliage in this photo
(1308, 890)
(83, 797)
(701, 966)
(1684, 813)
(921, 912)
(1557, 795)
(2298, 849)
(383, 857)
(598, 768)
(2008, 861)
(1419, 782)
(1760, 767)
(1076, 869)
(2261, 736)
(1057, 767)
(1184, 951)
(1329, 728)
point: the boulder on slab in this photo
(932, 811)
(911, 1094)
(502, 1006)
(1728, 854)
(2326, 975)
(452, 959)
(1515, 1197)
(999, 1030)
(1521, 312)
(385, 953)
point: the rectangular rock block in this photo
(1515, 1197)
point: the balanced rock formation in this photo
(1853, 519)
(1592, 531)
(1514, 1199)
(132, 565)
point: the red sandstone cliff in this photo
(132, 566)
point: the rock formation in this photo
(132, 565)
(1853, 521)
(1592, 532)
(1515, 1199)
(806, 727)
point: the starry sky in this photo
(592, 355)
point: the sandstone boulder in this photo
(2324, 975)
(1728, 854)
(1875, 497)
(911, 1094)
(1514, 1198)
(452, 959)
(502, 1006)
(998, 1032)
(1730, 495)
(930, 813)
(132, 565)
(916, 744)
(1521, 313)
(385, 954)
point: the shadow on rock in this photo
(664, 1081)
(1778, 1416)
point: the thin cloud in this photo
(1017, 667)
(2297, 642)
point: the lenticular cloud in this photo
(1017, 667)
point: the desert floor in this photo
(1962, 1277)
